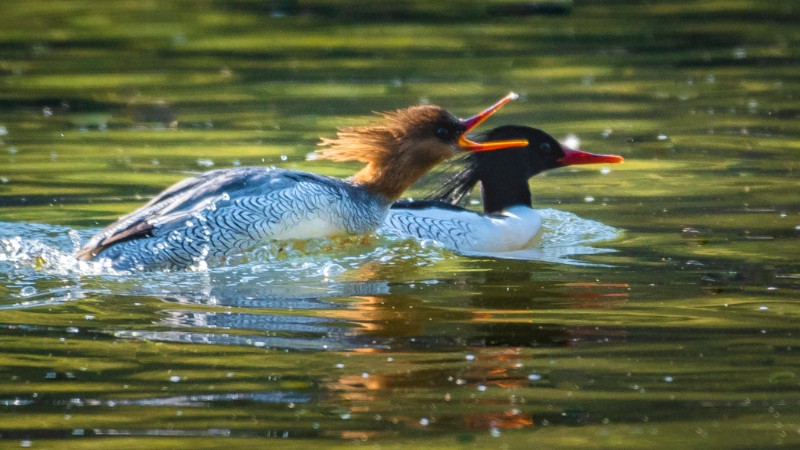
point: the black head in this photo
(543, 152)
(504, 174)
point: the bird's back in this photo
(226, 211)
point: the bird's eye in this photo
(444, 133)
(545, 147)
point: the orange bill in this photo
(472, 122)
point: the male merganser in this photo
(226, 211)
(508, 222)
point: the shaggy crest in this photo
(377, 142)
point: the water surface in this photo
(671, 323)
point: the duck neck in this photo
(382, 182)
(389, 180)
(498, 195)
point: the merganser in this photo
(508, 222)
(227, 211)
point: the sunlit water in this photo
(659, 311)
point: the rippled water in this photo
(660, 309)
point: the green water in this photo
(685, 336)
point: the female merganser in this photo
(508, 222)
(226, 211)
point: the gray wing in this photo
(190, 198)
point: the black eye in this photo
(545, 147)
(444, 133)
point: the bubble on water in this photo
(27, 291)
(534, 377)
(174, 378)
(572, 141)
(588, 199)
(605, 171)
(424, 421)
(668, 379)
(331, 270)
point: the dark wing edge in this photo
(137, 224)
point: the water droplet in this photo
(495, 432)
(424, 422)
(763, 308)
(668, 379)
(332, 270)
(534, 377)
(572, 141)
(470, 357)
(204, 162)
(588, 199)
(174, 378)
(27, 291)
(605, 171)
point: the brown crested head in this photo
(399, 150)
(408, 143)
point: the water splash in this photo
(37, 266)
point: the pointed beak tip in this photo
(472, 122)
